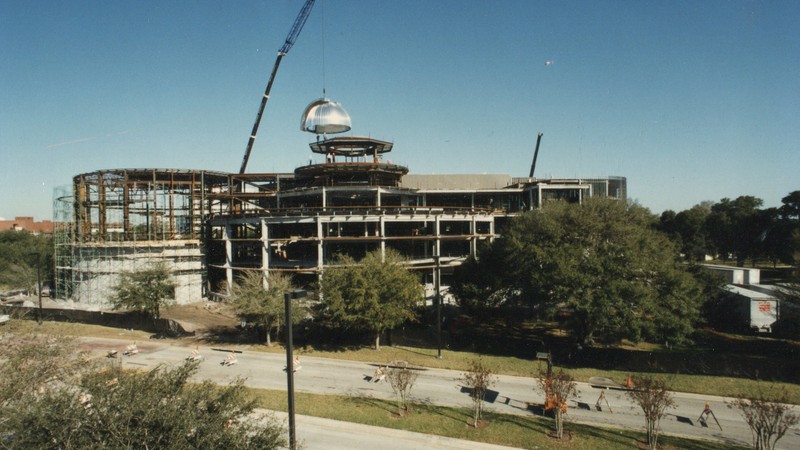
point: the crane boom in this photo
(535, 155)
(297, 27)
(287, 45)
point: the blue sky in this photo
(691, 101)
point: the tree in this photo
(402, 379)
(31, 365)
(785, 238)
(478, 378)
(736, 226)
(480, 285)
(375, 294)
(690, 226)
(79, 406)
(260, 305)
(652, 394)
(145, 289)
(769, 420)
(791, 206)
(21, 254)
(558, 388)
(602, 263)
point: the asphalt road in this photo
(511, 395)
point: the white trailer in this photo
(758, 310)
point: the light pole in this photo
(287, 303)
(437, 274)
(39, 287)
(37, 261)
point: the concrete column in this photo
(265, 254)
(226, 235)
(473, 241)
(320, 234)
(539, 191)
(437, 248)
(381, 225)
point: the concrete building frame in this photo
(214, 226)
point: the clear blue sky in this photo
(690, 100)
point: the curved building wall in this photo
(114, 221)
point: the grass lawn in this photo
(501, 429)
(73, 329)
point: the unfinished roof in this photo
(351, 146)
(471, 181)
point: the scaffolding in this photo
(115, 221)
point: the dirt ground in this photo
(202, 317)
(199, 318)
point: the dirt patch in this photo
(481, 424)
(202, 317)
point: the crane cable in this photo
(322, 37)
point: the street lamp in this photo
(37, 255)
(287, 303)
(39, 287)
(438, 298)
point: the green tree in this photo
(736, 227)
(784, 239)
(70, 404)
(21, 253)
(31, 364)
(604, 263)
(791, 206)
(145, 289)
(788, 324)
(263, 305)
(480, 285)
(375, 294)
(690, 226)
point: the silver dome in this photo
(323, 116)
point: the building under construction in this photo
(211, 226)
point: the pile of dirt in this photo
(202, 317)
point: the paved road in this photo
(438, 386)
(317, 433)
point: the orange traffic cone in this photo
(629, 384)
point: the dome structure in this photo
(323, 116)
